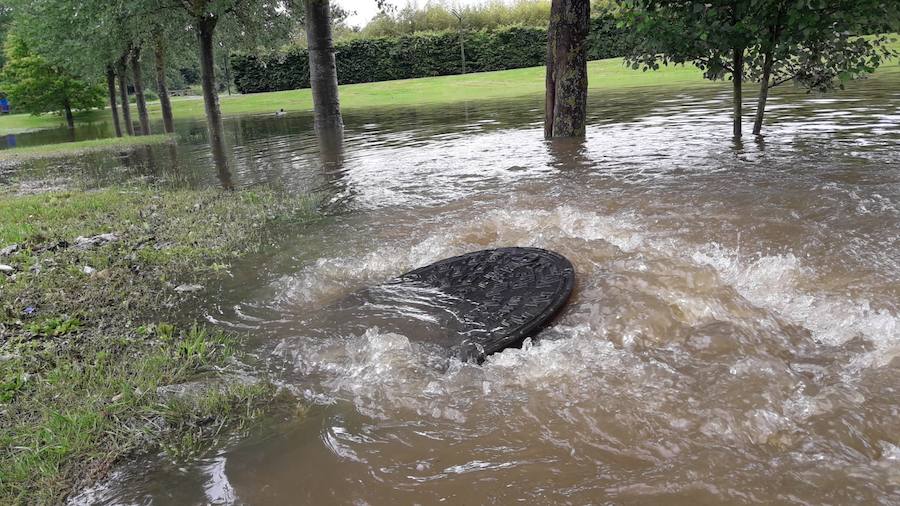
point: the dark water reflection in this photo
(733, 338)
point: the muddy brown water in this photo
(733, 336)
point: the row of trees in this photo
(59, 51)
(817, 45)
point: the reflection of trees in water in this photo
(331, 158)
(568, 153)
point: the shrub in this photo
(418, 55)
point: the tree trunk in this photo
(143, 117)
(159, 52)
(70, 119)
(462, 47)
(123, 95)
(322, 70)
(113, 106)
(205, 29)
(227, 72)
(768, 61)
(738, 79)
(565, 102)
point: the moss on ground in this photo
(85, 355)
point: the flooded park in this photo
(733, 336)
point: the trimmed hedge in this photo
(418, 55)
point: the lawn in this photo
(76, 148)
(91, 369)
(602, 74)
(609, 74)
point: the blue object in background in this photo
(4, 105)
(11, 141)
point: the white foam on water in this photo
(771, 282)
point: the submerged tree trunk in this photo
(113, 106)
(206, 27)
(738, 80)
(322, 70)
(143, 117)
(159, 52)
(764, 86)
(565, 100)
(70, 119)
(123, 95)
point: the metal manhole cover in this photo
(473, 304)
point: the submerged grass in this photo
(87, 363)
(21, 123)
(76, 148)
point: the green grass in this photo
(20, 123)
(603, 75)
(84, 353)
(75, 148)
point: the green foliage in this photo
(35, 85)
(418, 55)
(5, 20)
(817, 45)
(439, 16)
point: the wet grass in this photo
(20, 123)
(77, 148)
(86, 358)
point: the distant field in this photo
(602, 75)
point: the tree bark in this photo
(113, 106)
(764, 86)
(322, 70)
(123, 95)
(565, 100)
(462, 47)
(205, 29)
(70, 118)
(159, 53)
(143, 117)
(738, 80)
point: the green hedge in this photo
(418, 55)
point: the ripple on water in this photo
(732, 337)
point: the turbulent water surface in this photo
(733, 336)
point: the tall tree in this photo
(111, 90)
(36, 85)
(124, 95)
(565, 99)
(245, 18)
(140, 98)
(162, 88)
(713, 35)
(5, 21)
(322, 70)
(818, 46)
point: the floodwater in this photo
(733, 336)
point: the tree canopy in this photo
(816, 45)
(36, 85)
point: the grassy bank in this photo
(20, 123)
(76, 148)
(86, 353)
